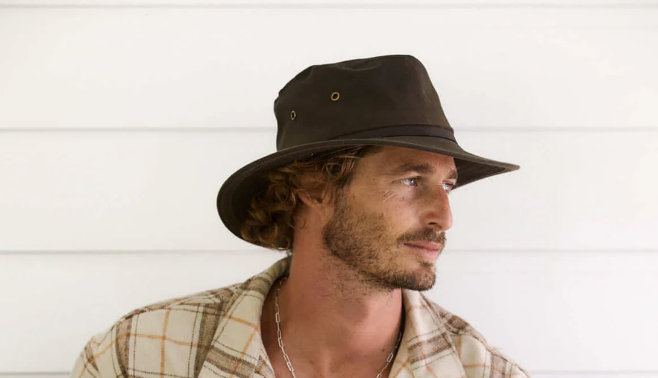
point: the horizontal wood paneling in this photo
(149, 105)
(549, 311)
(215, 67)
(157, 191)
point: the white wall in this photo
(119, 120)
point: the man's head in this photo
(385, 101)
(382, 211)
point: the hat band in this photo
(403, 130)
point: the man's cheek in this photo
(387, 196)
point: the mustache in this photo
(428, 235)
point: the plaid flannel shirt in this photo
(216, 333)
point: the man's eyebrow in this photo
(420, 168)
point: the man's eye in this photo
(410, 181)
(450, 186)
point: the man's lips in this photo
(429, 246)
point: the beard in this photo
(364, 242)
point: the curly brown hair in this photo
(270, 222)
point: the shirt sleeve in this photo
(519, 372)
(507, 367)
(93, 358)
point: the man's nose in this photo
(436, 211)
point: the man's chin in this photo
(424, 283)
(424, 276)
(420, 279)
(418, 285)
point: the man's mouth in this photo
(425, 246)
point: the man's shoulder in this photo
(184, 311)
(218, 299)
(185, 324)
(213, 301)
(473, 348)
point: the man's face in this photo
(389, 223)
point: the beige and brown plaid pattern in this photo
(216, 334)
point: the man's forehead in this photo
(404, 155)
(397, 160)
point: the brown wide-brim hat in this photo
(385, 100)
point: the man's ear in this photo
(308, 199)
(312, 192)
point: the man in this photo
(358, 194)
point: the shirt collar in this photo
(426, 348)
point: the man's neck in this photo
(332, 323)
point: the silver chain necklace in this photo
(277, 316)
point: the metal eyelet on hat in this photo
(293, 115)
(335, 96)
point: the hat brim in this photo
(237, 191)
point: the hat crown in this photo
(355, 97)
